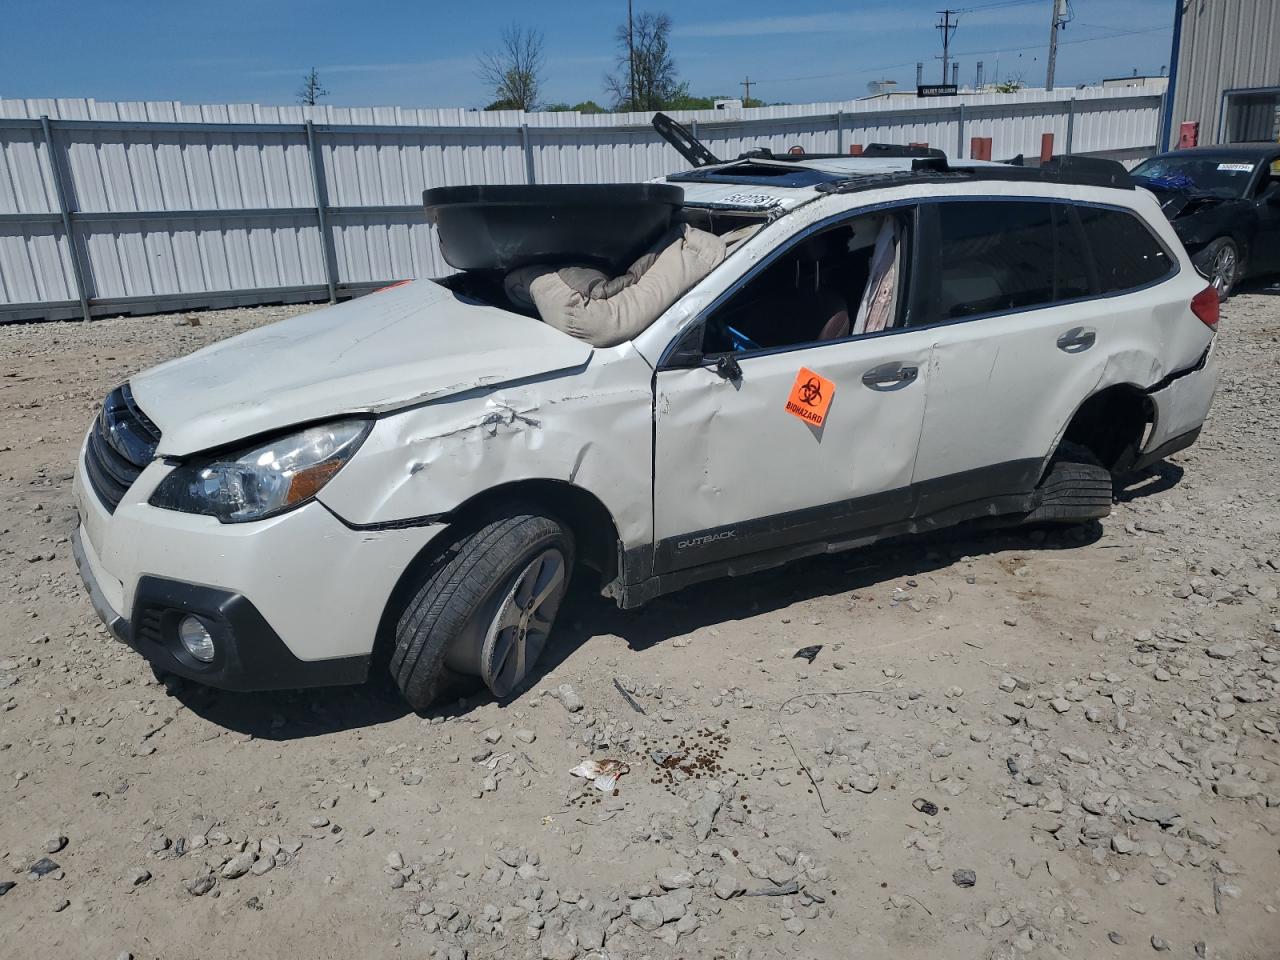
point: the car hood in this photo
(408, 345)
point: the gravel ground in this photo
(1021, 744)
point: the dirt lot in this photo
(1023, 745)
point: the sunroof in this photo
(760, 175)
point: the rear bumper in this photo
(249, 655)
(1181, 403)
(1167, 449)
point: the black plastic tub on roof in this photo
(504, 227)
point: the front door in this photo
(765, 445)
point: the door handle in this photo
(1077, 340)
(890, 376)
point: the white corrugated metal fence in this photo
(109, 208)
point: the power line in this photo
(1002, 3)
(963, 53)
(1064, 43)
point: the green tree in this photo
(646, 75)
(311, 91)
(586, 106)
(514, 70)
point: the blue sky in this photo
(375, 52)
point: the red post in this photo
(855, 149)
(979, 148)
(1046, 147)
(1188, 133)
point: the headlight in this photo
(263, 480)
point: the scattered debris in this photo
(603, 774)
(927, 807)
(631, 701)
(42, 868)
(807, 653)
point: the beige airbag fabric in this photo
(604, 311)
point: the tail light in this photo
(1205, 306)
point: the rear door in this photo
(1020, 340)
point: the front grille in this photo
(149, 625)
(123, 441)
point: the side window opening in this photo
(993, 257)
(1074, 275)
(1125, 253)
(846, 280)
(996, 256)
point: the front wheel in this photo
(1220, 263)
(486, 610)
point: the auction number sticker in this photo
(810, 397)
(749, 200)
(1236, 167)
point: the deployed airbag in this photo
(605, 311)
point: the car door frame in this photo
(1268, 221)
(779, 545)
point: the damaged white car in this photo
(647, 384)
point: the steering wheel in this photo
(740, 340)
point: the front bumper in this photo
(249, 655)
(292, 601)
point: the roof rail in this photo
(900, 150)
(1085, 171)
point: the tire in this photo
(1076, 488)
(446, 628)
(1220, 263)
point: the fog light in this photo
(196, 638)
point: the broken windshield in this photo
(1222, 176)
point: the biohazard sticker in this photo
(810, 397)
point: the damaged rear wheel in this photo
(485, 612)
(1076, 488)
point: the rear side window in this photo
(1125, 252)
(996, 256)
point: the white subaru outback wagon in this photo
(654, 384)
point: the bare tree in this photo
(646, 77)
(514, 70)
(312, 90)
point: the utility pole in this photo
(948, 30)
(631, 57)
(1058, 21)
(746, 91)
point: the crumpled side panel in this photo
(592, 429)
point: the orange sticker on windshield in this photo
(810, 397)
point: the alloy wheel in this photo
(1224, 270)
(520, 627)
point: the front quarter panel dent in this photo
(428, 461)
